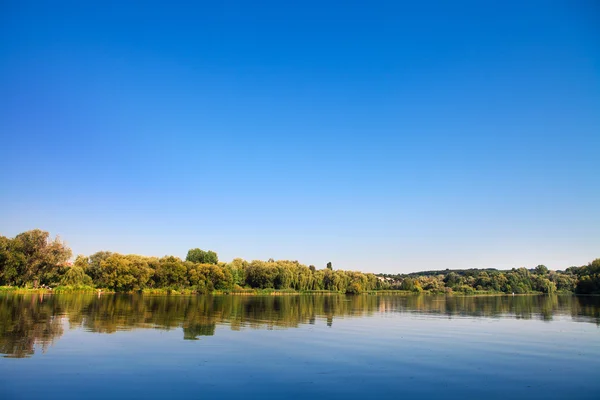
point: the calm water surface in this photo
(330, 346)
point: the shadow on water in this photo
(30, 321)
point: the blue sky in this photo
(384, 136)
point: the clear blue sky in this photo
(382, 136)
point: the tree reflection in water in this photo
(27, 321)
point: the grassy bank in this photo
(58, 289)
(236, 292)
(254, 292)
(14, 289)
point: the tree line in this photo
(34, 259)
(580, 280)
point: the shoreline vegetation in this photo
(32, 262)
(252, 292)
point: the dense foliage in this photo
(201, 272)
(202, 257)
(517, 280)
(588, 277)
(33, 259)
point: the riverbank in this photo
(58, 289)
(254, 292)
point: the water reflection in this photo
(27, 321)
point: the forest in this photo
(33, 259)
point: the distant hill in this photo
(444, 272)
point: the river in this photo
(299, 346)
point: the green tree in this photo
(451, 280)
(94, 269)
(196, 256)
(75, 276)
(211, 257)
(564, 282)
(82, 262)
(219, 278)
(407, 284)
(236, 269)
(200, 256)
(589, 278)
(354, 288)
(170, 272)
(36, 258)
(541, 270)
(124, 273)
(11, 263)
(260, 274)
